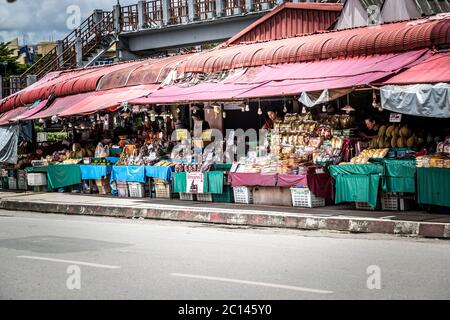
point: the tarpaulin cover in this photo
(425, 100)
(9, 138)
(433, 186)
(433, 70)
(59, 105)
(128, 174)
(357, 183)
(164, 173)
(32, 110)
(101, 100)
(7, 117)
(291, 79)
(61, 175)
(94, 172)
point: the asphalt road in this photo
(69, 257)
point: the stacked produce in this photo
(366, 155)
(394, 136)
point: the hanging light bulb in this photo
(247, 107)
(41, 121)
(224, 114)
(178, 110)
(324, 108)
(285, 110)
(70, 125)
(303, 110)
(243, 108)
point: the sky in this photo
(44, 20)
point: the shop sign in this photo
(194, 182)
(182, 134)
(395, 117)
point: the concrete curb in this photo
(263, 219)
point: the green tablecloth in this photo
(213, 182)
(433, 186)
(357, 183)
(60, 175)
(400, 175)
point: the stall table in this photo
(357, 182)
(399, 175)
(433, 186)
(213, 182)
(59, 175)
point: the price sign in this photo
(395, 118)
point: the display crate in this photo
(225, 197)
(204, 197)
(12, 183)
(136, 189)
(37, 179)
(303, 197)
(187, 196)
(162, 190)
(366, 206)
(122, 189)
(243, 195)
(22, 183)
(396, 201)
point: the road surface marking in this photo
(263, 284)
(81, 263)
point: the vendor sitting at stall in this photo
(272, 115)
(372, 126)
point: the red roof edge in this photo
(288, 5)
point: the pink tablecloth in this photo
(252, 180)
(289, 180)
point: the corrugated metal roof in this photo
(288, 20)
(387, 38)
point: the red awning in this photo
(31, 112)
(101, 100)
(291, 79)
(7, 117)
(59, 105)
(434, 70)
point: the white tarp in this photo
(425, 100)
(395, 10)
(311, 99)
(9, 138)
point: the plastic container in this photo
(12, 183)
(204, 197)
(303, 197)
(37, 179)
(187, 196)
(122, 189)
(162, 190)
(243, 195)
(396, 202)
(136, 189)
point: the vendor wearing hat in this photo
(272, 116)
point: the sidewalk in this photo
(336, 218)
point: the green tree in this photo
(8, 63)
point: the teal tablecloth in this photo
(399, 175)
(60, 175)
(357, 183)
(433, 186)
(213, 182)
(94, 172)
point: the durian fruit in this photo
(404, 132)
(396, 132)
(387, 142)
(382, 131)
(389, 131)
(401, 142)
(394, 142)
